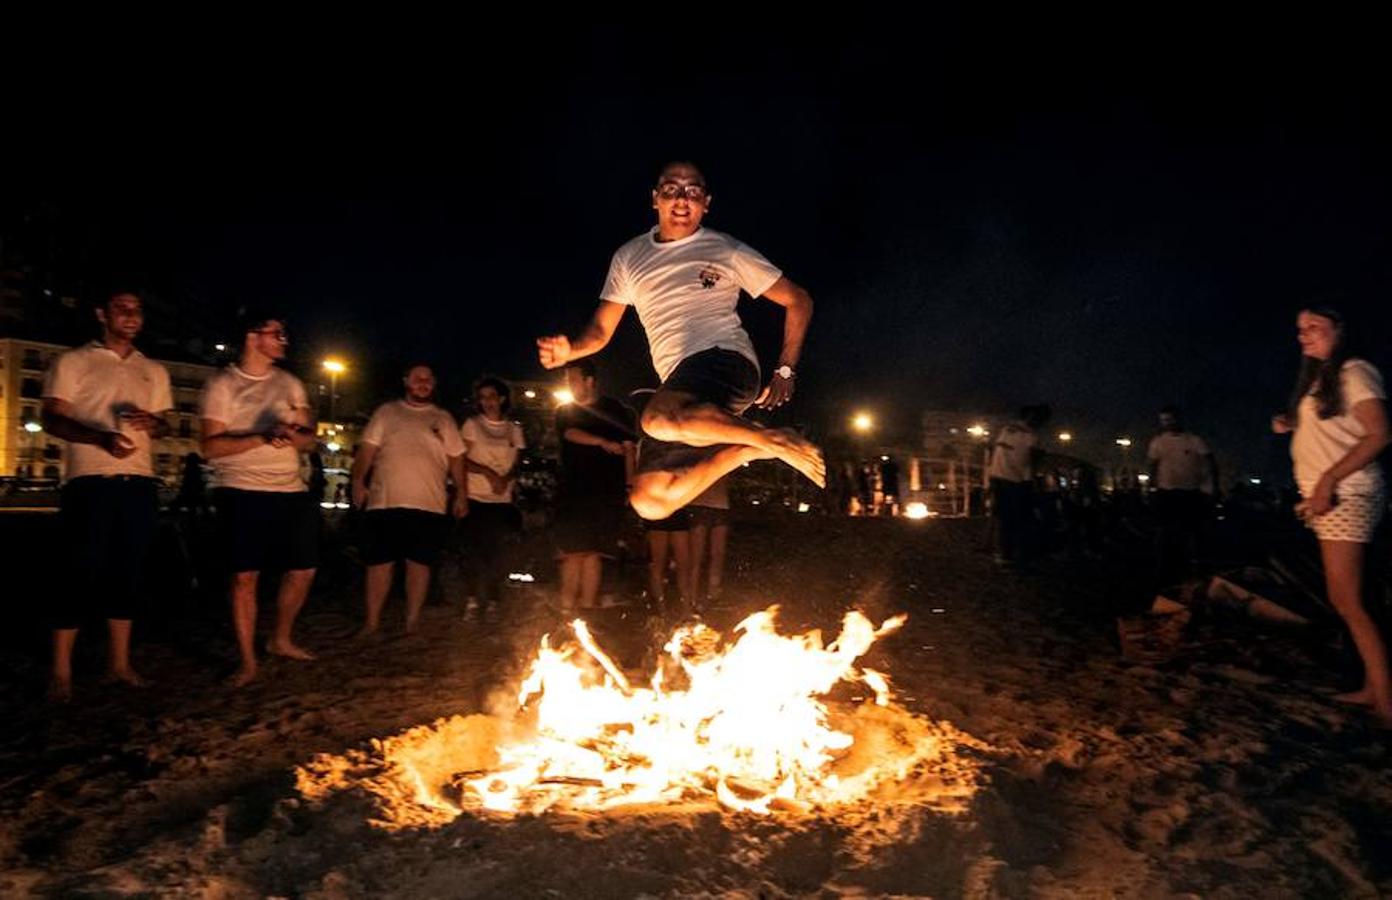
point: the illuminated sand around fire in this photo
(756, 722)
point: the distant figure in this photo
(710, 537)
(1339, 418)
(193, 496)
(1184, 480)
(889, 486)
(1015, 455)
(408, 451)
(597, 449)
(493, 445)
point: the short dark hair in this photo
(254, 317)
(586, 367)
(116, 289)
(417, 364)
(681, 162)
(497, 384)
(1169, 409)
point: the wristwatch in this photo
(785, 372)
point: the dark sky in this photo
(1105, 218)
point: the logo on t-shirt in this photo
(709, 276)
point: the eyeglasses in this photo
(275, 334)
(672, 191)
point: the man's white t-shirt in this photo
(249, 404)
(1011, 457)
(686, 292)
(414, 447)
(98, 385)
(495, 445)
(1181, 460)
(1318, 444)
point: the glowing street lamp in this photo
(1123, 442)
(1065, 437)
(335, 368)
(978, 431)
(563, 396)
(33, 427)
(863, 422)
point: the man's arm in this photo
(219, 442)
(797, 308)
(460, 508)
(362, 464)
(59, 422)
(589, 439)
(556, 350)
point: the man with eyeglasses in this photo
(256, 423)
(685, 281)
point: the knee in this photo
(662, 422)
(647, 499)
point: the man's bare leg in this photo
(118, 654)
(719, 539)
(571, 564)
(699, 534)
(681, 418)
(244, 623)
(377, 586)
(294, 588)
(591, 571)
(417, 584)
(60, 683)
(658, 494)
(658, 542)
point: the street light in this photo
(1065, 436)
(563, 396)
(862, 422)
(33, 427)
(335, 368)
(1123, 442)
(978, 431)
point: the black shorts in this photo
(723, 377)
(399, 533)
(267, 530)
(677, 521)
(588, 525)
(709, 516)
(107, 525)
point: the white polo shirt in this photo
(98, 385)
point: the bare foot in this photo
(243, 677)
(365, 632)
(800, 453)
(60, 690)
(288, 649)
(1361, 697)
(128, 677)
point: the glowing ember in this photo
(742, 723)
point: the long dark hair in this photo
(1323, 374)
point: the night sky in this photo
(1108, 220)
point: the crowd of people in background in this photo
(666, 456)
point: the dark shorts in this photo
(709, 516)
(267, 530)
(722, 377)
(397, 533)
(677, 521)
(588, 525)
(107, 526)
